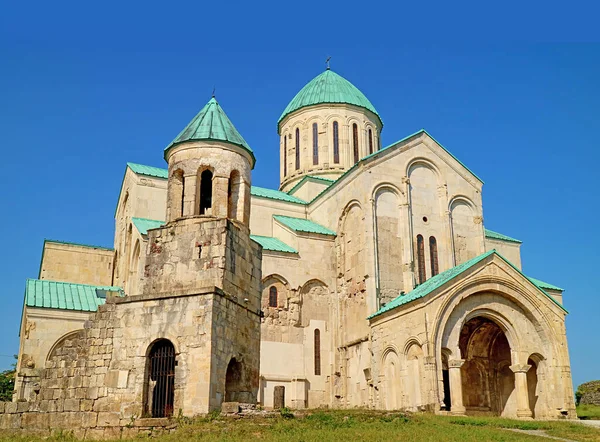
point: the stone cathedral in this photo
(368, 279)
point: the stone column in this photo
(189, 196)
(408, 277)
(219, 196)
(456, 395)
(520, 371)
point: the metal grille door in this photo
(162, 379)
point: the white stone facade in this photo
(486, 339)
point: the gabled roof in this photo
(385, 150)
(263, 192)
(499, 236)
(144, 224)
(544, 285)
(303, 225)
(211, 124)
(273, 244)
(328, 87)
(155, 172)
(323, 180)
(66, 296)
(439, 280)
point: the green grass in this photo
(354, 425)
(588, 411)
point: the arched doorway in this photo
(233, 382)
(488, 382)
(534, 387)
(160, 391)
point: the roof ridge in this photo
(437, 281)
(500, 236)
(73, 283)
(148, 219)
(71, 243)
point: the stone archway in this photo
(487, 379)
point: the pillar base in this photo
(524, 415)
(454, 411)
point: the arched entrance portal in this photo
(233, 381)
(160, 391)
(487, 380)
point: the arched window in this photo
(336, 143)
(317, 352)
(205, 191)
(315, 144)
(160, 379)
(370, 141)
(433, 256)
(297, 149)
(233, 194)
(421, 259)
(284, 155)
(355, 141)
(273, 296)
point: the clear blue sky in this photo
(84, 89)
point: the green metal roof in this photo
(263, 192)
(327, 181)
(144, 224)
(77, 244)
(211, 123)
(274, 244)
(65, 295)
(495, 235)
(544, 285)
(439, 280)
(328, 87)
(156, 172)
(303, 225)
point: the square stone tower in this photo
(202, 275)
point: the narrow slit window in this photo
(315, 128)
(336, 143)
(355, 141)
(273, 296)
(317, 352)
(370, 141)
(421, 258)
(433, 255)
(284, 156)
(297, 149)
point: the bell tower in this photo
(204, 256)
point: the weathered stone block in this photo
(89, 419)
(10, 407)
(38, 421)
(230, 407)
(71, 405)
(86, 405)
(10, 421)
(106, 419)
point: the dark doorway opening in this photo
(161, 379)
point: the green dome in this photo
(328, 87)
(212, 124)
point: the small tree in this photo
(7, 383)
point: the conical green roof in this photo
(328, 87)
(211, 123)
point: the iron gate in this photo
(162, 379)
